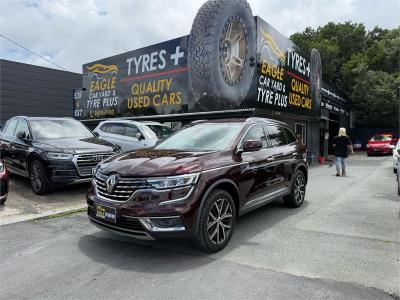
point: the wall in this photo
(35, 91)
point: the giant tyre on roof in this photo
(222, 44)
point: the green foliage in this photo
(365, 66)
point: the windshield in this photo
(57, 129)
(161, 131)
(203, 137)
(381, 138)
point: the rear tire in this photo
(38, 178)
(297, 190)
(217, 220)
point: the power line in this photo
(7, 38)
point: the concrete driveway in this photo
(22, 204)
(343, 243)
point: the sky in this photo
(71, 33)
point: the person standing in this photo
(341, 145)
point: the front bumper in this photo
(379, 151)
(145, 219)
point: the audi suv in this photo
(51, 151)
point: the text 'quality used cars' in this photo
(195, 184)
(51, 151)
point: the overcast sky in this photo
(75, 32)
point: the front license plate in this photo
(106, 213)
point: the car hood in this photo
(152, 162)
(76, 146)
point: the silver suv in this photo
(131, 135)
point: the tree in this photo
(365, 66)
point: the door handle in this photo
(272, 158)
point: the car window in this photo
(131, 130)
(256, 133)
(276, 135)
(381, 138)
(10, 127)
(290, 137)
(23, 126)
(104, 127)
(161, 131)
(116, 128)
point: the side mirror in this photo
(251, 145)
(139, 136)
(96, 134)
(21, 135)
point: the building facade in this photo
(35, 91)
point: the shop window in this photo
(300, 130)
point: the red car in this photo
(3, 183)
(380, 143)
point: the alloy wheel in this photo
(219, 222)
(233, 50)
(36, 178)
(299, 188)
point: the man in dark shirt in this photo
(341, 145)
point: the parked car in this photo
(131, 135)
(196, 183)
(3, 183)
(380, 143)
(51, 151)
(396, 155)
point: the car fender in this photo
(208, 191)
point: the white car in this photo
(131, 135)
(396, 155)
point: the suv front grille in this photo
(124, 188)
(86, 162)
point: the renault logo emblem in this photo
(111, 182)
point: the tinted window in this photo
(289, 136)
(256, 133)
(116, 129)
(204, 136)
(276, 135)
(10, 127)
(58, 128)
(131, 130)
(23, 126)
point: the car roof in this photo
(241, 120)
(43, 118)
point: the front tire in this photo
(38, 178)
(297, 190)
(217, 220)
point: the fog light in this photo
(167, 222)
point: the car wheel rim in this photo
(233, 50)
(299, 188)
(219, 223)
(36, 178)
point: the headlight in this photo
(174, 181)
(58, 155)
(1, 167)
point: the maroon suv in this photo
(195, 184)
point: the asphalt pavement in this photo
(343, 243)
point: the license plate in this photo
(106, 213)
